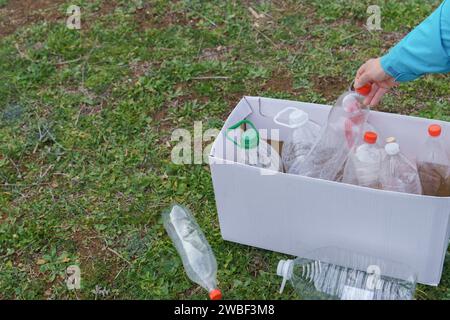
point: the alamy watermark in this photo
(74, 19)
(374, 20)
(373, 280)
(190, 149)
(73, 277)
(196, 148)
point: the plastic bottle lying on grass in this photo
(315, 279)
(345, 122)
(397, 172)
(253, 150)
(191, 244)
(303, 135)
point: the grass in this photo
(86, 118)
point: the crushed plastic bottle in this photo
(303, 135)
(345, 122)
(434, 165)
(191, 244)
(253, 150)
(397, 172)
(352, 277)
(363, 164)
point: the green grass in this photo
(86, 119)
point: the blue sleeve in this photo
(426, 49)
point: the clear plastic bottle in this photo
(358, 141)
(345, 122)
(434, 165)
(352, 277)
(363, 164)
(191, 244)
(397, 172)
(304, 134)
(253, 150)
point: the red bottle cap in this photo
(370, 137)
(434, 130)
(364, 90)
(215, 294)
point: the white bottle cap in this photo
(298, 118)
(392, 148)
(284, 269)
(391, 139)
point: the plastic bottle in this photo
(363, 164)
(358, 141)
(397, 172)
(434, 165)
(360, 137)
(354, 277)
(253, 150)
(345, 122)
(303, 135)
(191, 244)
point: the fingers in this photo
(378, 95)
(372, 72)
(369, 97)
(374, 97)
(363, 79)
(361, 70)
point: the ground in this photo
(86, 118)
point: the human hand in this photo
(372, 72)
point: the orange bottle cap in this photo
(434, 130)
(215, 294)
(370, 137)
(364, 90)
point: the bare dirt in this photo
(91, 248)
(146, 18)
(330, 87)
(280, 81)
(18, 13)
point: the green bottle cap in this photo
(249, 139)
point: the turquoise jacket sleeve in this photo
(426, 49)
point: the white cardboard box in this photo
(294, 214)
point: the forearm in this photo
(426, 49)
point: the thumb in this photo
(363, 79)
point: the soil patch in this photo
(329, 87)
(280, 81)
(18, 13)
